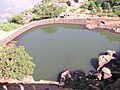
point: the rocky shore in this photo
(105, 77)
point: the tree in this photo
(92, 5)
(114, 2)
(86, 5)
(15, 63)
(116, 9)
(47, 9)
(98, 3)
(17, 19)
(105, 5)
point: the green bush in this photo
(102, 14)
(47, 10)
(35, 17)
(15, 63)
(92, 5)
(116, 10)
(72, 10)
(106, 5)
(86, 5)
(17, 19)
(94, 11)
(99, 9)
(111, 15)
(83, 10)
(7, 26)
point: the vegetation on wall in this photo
(15, 63)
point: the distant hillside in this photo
(11, 7)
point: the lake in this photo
(58, 47)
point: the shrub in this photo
(15, 63)
(106, 5)
(102, 14)
(116, 9)
(86, 5)
(7, 26)
(47, 10)
(83, 10)
(94, 11)
(36, 17)
(92, 5)
(99, 9)
(17, 19)
(111, 15)
(72, 10)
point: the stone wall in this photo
(27, 27)
(91, 23)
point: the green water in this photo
(55, 48)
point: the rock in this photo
(91, 26)
(91, 74)
(78, 74)
(107, 73)
(99, 76)
(103, 59)
(110, 52)
(28, 79)
(48, 82)
(117, 30)
(65, 76)
(114, 86)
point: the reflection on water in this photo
(55, 48)
(112, 37)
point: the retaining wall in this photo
(27, 27)
(32, 24)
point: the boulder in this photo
(110, 52)
(107, 73)
(103, 59)
(65, 76)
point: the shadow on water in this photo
(94, 63)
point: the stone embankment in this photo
(13, 34)
(91, 23)
(110, 24)
(28, 83)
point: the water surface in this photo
(58, 47)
